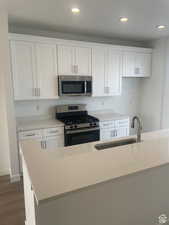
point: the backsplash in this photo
(127, 103)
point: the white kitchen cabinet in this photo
(114, 129)
(48, 138)
(74, 60)
(54, 142)
(66, 60)
(114, 75)
(106, 71)
(34, 70)
(47, 79)
(136, 64)
(83, 61)
(23, 69)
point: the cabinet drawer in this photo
(32, 134)
(53, 131)
(107, 124)
(122, 123)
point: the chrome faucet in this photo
(139, 128)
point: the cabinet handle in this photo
(106, 90)
(39, 92)
(43, 144)
(30, 135)
(76, 68)
(137, 71)
(53, 132)
(36, 92)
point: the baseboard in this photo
(15, 178)
(4, 172)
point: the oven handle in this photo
(85, 86)
(81, 131)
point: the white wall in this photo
(127, 103)
(151, 90)
(7, 116)
(154, 106)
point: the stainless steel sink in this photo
(113, 144)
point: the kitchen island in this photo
(80, 185)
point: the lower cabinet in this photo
(49, 139)
(114, 129)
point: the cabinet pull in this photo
(39, 92)
(76, 68)
(106, 90)
(137, 71)
(43, 144)
(30, 135)
(53, 132)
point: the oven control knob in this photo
(75, 126)
(71, 127)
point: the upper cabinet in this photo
(36, 63)
(23, 69)
(74, 60)
(136, 64)
(107, 71)
(46, 64)
(34, 70)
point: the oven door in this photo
(74, 137)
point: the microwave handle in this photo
(85, 86)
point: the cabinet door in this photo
(47, 79)
(54, 142)
(98, 70)
(128, 64)
(136, 64)
(66, 60)
(107, 134)
(122, 132)
(83, 61)
(114, 76)
(23, 70)
(147, 65)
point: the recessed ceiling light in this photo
(160, 27)
(124, 19)
(75, 10)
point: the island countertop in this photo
(60, 171)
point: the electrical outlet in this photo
(162, 219)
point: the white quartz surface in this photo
(108, 115)
(32, 123)
(60, 171)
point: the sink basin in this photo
(113, 144)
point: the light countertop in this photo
(107, 115)
(33, 123)
(73, 168)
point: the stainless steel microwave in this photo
(75, 85)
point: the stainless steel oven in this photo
(75, 85)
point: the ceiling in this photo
(97, 17)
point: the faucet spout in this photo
(139, 127)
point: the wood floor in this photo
(11, 202)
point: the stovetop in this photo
(77, 120)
